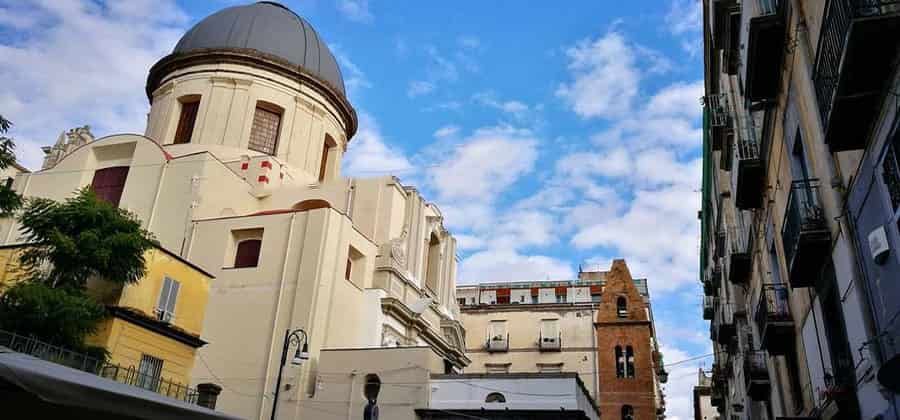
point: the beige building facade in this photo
(239, 172)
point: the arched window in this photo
(620, 362)
(372, 387)
(622, 307)
(495, 397)
(247, 253)
(627, 412)
(311, 205)
(629, 362)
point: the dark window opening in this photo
(187, 119)
(622, 307)
(348, 270)
(247, 254)
(495, 397)
(620, 362)
(108, 183)
(627, 412)
(629, 362)
(327, 148)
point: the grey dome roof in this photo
(269, 28)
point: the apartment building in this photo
(799, 207)
(599, 326)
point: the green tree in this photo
(61, 316)
(82, 238)
(9, 200)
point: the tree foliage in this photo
(9, 200)
(82, 238)
(61, 316)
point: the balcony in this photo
(724, 323)
(854, 59)
(712, 279)
(720, 124)
(731, 55)
(756, 375)
(709, 307)
(773, 319)
(722, 10)
(739, 251)
(805, 234)
(550, 343)
(497, 344)
(766, 38)
(749, 191)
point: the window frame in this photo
(110, 193)
(271, 109)
(182, 125)
(167, 300)
(237, 252)
(149, 372)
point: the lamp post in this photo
(301, 339)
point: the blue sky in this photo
(550, 136)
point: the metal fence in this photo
(130, 375)
(773, 305)
(804, 213)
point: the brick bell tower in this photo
(625, 346)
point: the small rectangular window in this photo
(264, 132)
(186, 120)
(165, 306)
(353, 271)
(327, 148)
(246, 248)
(109, 183)
(498, 330)
(149, 372)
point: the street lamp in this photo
(299, 338)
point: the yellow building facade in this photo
(154, 325)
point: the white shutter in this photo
(164, 296)
(173, 297)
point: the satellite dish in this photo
(418, 307)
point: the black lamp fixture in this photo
(297, 338)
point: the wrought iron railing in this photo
(725, 314)
(718, 109)
(739, 240)
(498, 343)
(839, 14)
(773, 305)
(804, 213)
(747, 145)
(49, 352)
(80, 361)
(755, 365)
(709, 307)
(549, 343)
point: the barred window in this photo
(891, 177)
(264, 133)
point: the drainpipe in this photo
(274, 327)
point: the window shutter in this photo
(186, 122)
(264, 132)
(247, 254)
(164, 295)
(108, 183)
(173, 296)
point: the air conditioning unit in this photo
(164, 316)
(878, 245)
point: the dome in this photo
(271, 29)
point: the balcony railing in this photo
(773, 318)
(720, 123)
(749, 192)
(853, 61)
(740, 244)
(805, 234)
(765, 49)
(756, 374)
(497, 343)
(86, 363)
(550, 343)
(709, 307)
(724, 323)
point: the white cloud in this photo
(354, 78)
(485, 164)
(679, 99)
(515, 108)
(108, 48)
(446, 131)
(684, 16)
(368, 155)
(508, 265)
(419, 88)
(355, 10)
(469, 41)
(605, 77)
(682, 379)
